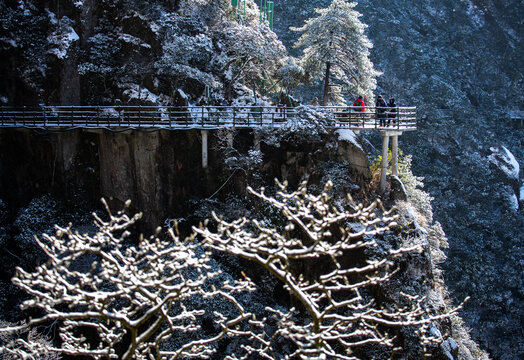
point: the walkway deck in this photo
(152, 118)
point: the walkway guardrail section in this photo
(199, 117)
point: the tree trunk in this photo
(326, 85)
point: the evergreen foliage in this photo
(337, 47)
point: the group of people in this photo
(384, 112)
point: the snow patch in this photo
(348, 136)
(513, 202)
(130, 39)
(475, 15)
(52, 17)
(135, 92)
(504, 160)
(61, 40)
(11, 42)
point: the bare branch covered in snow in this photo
(108, 294)
(315, 254)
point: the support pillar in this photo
(384, 164)
(394, 153)
(230, 138)
(204, 149)
(257, 141)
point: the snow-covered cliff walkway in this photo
(120, 118)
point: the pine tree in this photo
(336, 47)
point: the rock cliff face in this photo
(95, 53)
(158, 171)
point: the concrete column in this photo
(204, 149)
(257, 141)
(384, 164)
(230, 138)
(394, 153)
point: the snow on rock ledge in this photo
(349, 136)
(350, 150)
(504, 160)
(62, 38)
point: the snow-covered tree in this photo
(254, 53)
(314, 252)
(209, 44)
(336, 48)
(113, 299)
(291, 74)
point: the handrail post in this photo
(398, 117)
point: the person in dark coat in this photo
(392, 111)
(359, 105)
(380, 110)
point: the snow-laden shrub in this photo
(100, 56)
(38, 217)
(291, 74)
(62, 38)
(307, 125)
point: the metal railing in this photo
(200, 117)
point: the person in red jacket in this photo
(359, 105)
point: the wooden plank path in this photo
(198, 117)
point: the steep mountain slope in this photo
(460, 63)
